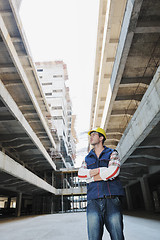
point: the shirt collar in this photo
(92, 152)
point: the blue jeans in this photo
(106, 212)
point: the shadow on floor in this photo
(143, 214)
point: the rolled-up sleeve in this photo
(83, 172)
(113, 169)
(106, 173)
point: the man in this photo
(100, 170)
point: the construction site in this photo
(37, 136)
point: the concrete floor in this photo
(71, 226)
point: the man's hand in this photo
(97, 178)
(94, 172)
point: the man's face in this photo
(94, 138)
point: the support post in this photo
(62, 184)
(53, 178)
(146, 194)
(18, 205)
(9, 203)
(129, 198)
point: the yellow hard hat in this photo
(99, 130)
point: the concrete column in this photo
(45, 176)
(53, 178)
(18, 205)
(8, 202)
(34, 205)
(129, 198)
(74, 180)
(52, 205)
(43, 204)
(72, 204)
(62, 184)
(71, 179)
(3, 150)
(146, 194)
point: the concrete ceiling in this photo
(25, 130)
(134, 65)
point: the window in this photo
(57, 90)
(57, 117)
(46, 83)
(40, 70)
(57, 76)
(56, 107)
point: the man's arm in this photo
(113, 169)
(102, 173)
(110, 173)
(87, 175)
(83, 172)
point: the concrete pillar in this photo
(34, 205)
(62, 184)
(45, 176)
(129, 198)
(52, 205)
(3, 150)
(43, 204)
(74, 180)
(8, 202)
(53, 179)
(71, 179)
(72, 203)
(146, 194)
(18, 205)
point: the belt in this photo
(109, 197)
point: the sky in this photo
(66, 30)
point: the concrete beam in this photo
(149, 156)
(72, 191)
(110, 60)
(143, 30)
(127, 32)
(2, 108)
(148, 147)
(13, 168)
(146, 161)
(113, 40)
(16, 40)
(13, 108)
(133, 85)
(6, 13)
(116, 137)
(7, 69)
(12, 137)
(16, 145)
(133, 165)
(14, 84)
(106, 41)
(107, 76)
(7, 118)
(115, 130)
(129, 112)
(140, 126)
(144, 80)
(152, 152)
(136, 97)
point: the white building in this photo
(53, 76)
